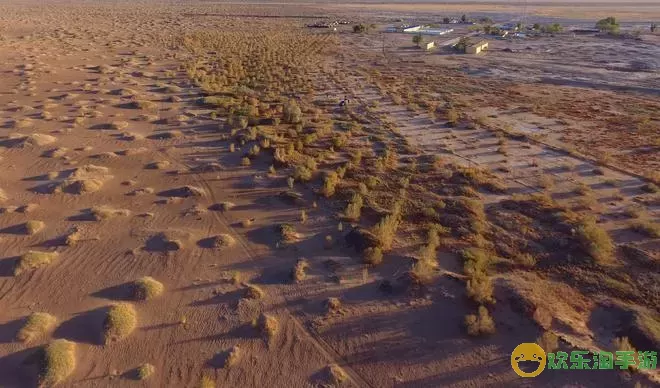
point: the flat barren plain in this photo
(214, 195)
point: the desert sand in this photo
(209, 194)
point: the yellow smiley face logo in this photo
(528, 360)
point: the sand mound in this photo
(85, 179)
(157, 165)
(133, 151)
(22, 141)
(105, 155)
(34, 260)
(129, 136)
(208, 167)
(183, 192)
(165, 135)
(104, 213)
(220, 241)
(55, 152)
(169, 240)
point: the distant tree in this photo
(464, 18)
(372, 26)
(552, 28)
(536, 26)
(462, 44)
(608, 24)
(359, 28)
(519, 26)
(488, 29)
(486, 20)
(654, 27)
(417, 39)
(446, 20)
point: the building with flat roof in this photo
(476, 48)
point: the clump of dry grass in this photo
(222, 241)
(34, 260)
(651, 188)
(147, 288)
(31, 227)
(595, 241)
(385, 231)
(145, 371)
(647, 228)
(72, 237)
(480, 324)
(233, 356)
(105, 213)
(298, 273)
(161, 165)
(287, 233)
(36, 325)
(120, 322)
(143, 104)
(333, 304)
(118, 125)
(222, 206)
(336, 374)
(354, 208)
(57, 360)
(254, 292)
(372, 256)
(268, 326)
(206, 382)
(548, 341)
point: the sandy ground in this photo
(75, 138)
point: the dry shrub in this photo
(206, 382)
(145, 371)
(480, 324)
(36, 325)
(423, 271)
(329, 184)
(651, 188)
(594, 240)
(648, 228)
(298, 272)
(268, 326)
(287, 233)
(105, 212)
(31, 227)
(386, 229)
(147, 288)
(336, 374)
(354, 208)
(548, 341)
(34, 260)
(333, 304)
(253, 292)
(158, 165)
(57, 360)
(372, 256)
(119, 323)
(233, 356)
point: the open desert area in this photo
(216, 194)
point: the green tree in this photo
(464, 18)
(445, 20)
(462, 44)
(654, 27)
(417, 39)
(609, 24)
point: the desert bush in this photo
(594, 240)
(32, 227)
(651, 188)
(337, 374)
(480, 288)
(480, 324)
(372, 256)
(475, 261)
(386, 229)
(302, 173)
(548, 341)
(147, 288)
(333, 304)
(57, 360)
(526, 260)
(233, 356)
(36, 325)
(254, 292)
(292, 113)
(206, 382)
(120, 322)
(245, 161)
(268, 326)
(105, 212)
(298, 273)
(145, 371)
(34, 260)
(329, 184)
(648, 228)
